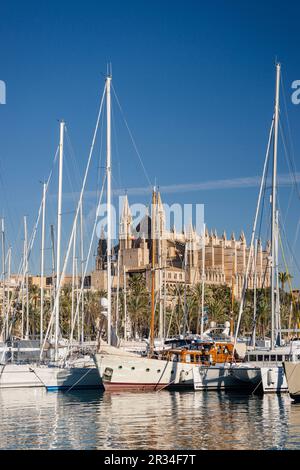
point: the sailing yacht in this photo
(263, 367)
(16, 354)
(63, 373)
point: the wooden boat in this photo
(170, 369)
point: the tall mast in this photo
(233, 283)
(3, 275)
(77, 298)
(203, 281)
(58, 245)
(42, 264)
(26, 277)
(82, 272)
(159, 252)
(273, 229)
(164, 303)
(125, 303)
(254, 292)
(185, 288)
(53, 265)
(8, 282)
(277, 301)
(73, 284)
(118, 292)
(108, 175)
(22, 289)
(153, 273)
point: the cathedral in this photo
(178, 256)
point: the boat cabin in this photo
(271, 356)
(209, 353)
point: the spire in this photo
(125, 223)
(232, 237)
(126, 214)
(191, 233)
(160, 214)
(224, 237)
(242, 237)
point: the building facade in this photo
(179, 256)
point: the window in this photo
(169, 275)
(180, 276)
(188, 358)
(175, 276)
(120, 367)
(158, 371)
(260, 357)
(287, 358)
(273, 357)
(147, 370)
(252, 357)
(132, 368)
(266, 357)
(279, 357)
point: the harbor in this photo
(149, 288)
(97, 421)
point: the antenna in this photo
(109, 69)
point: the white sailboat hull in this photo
(18, 376)
(63, 378)
(269, 378)
(292, 374)
(217, 377)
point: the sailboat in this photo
(263, 367)
(17, 355)
(63, 373)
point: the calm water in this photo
(35, 419)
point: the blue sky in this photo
(195, 80)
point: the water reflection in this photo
(36, 419)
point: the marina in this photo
(93, 420)
(132, 317)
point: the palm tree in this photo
(137, 305)
(284, 277)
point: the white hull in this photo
(122, 371)
(64, 378)
(292, 374)
(128, 372)
(218, 377)
(269, 378)
(18, 376)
